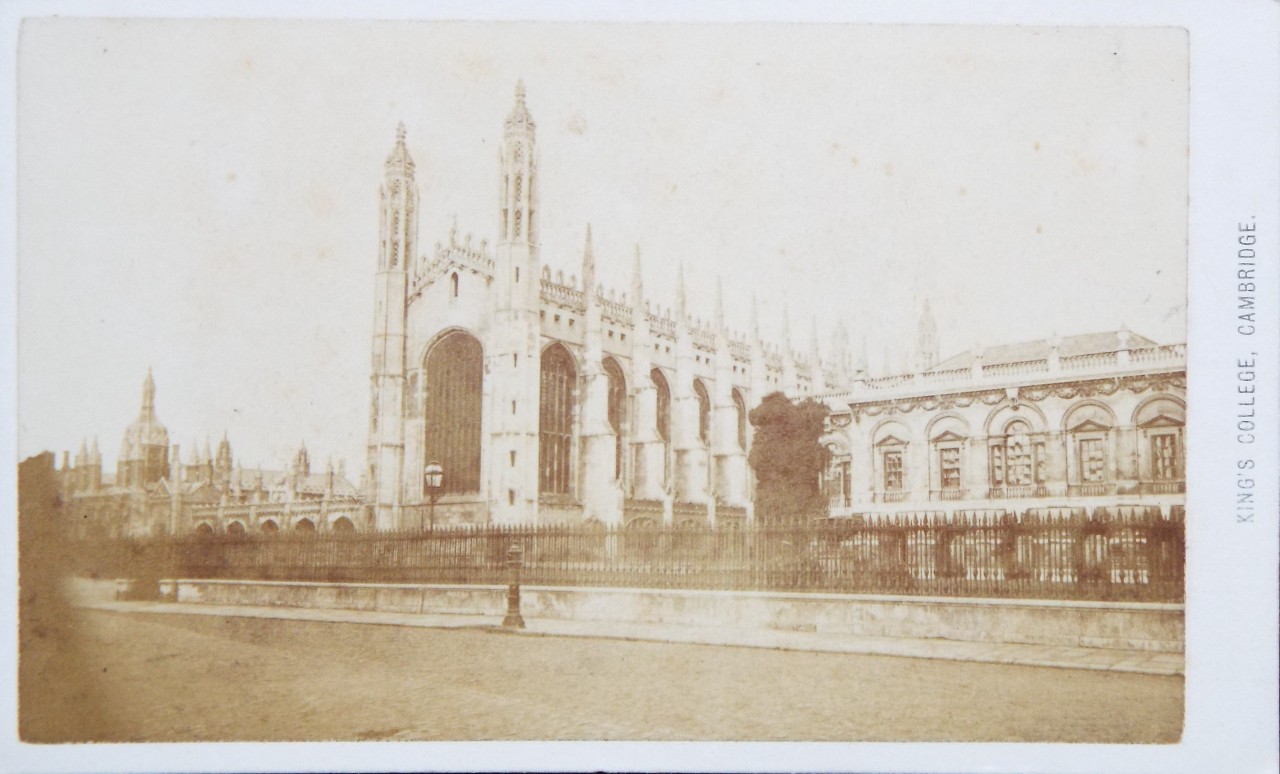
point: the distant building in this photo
(154, 492)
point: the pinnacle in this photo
(519, 116)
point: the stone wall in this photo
(1128, 625)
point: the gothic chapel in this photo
(548, 400)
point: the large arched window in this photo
(1017, 459)
(704, 411)
(556, 420)
(454, 371)
(617, 409)
(664, 404)
(740, 407)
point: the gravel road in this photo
(137, 677)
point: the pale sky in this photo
(200, 197)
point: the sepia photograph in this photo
(476, 381)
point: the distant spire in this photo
(841, 356)
(149, 395)
(813, 340)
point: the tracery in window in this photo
(451, 410)
(556, 402)
(617, 410)
(740, 407)
(664, 404)
(704, 411)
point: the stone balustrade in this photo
(1147, 359)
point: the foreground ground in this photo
(134, 677)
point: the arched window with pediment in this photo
(1089, 427)
(1160, 423)
(617, 410)
(890, 460)
(451, 410)
(555, 421)
(947, 438)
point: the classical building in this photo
(554, 400)
(1078, 422)
(546, 399)
(155, 492)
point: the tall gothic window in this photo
(454, 371)
(664, 404)
(617, 409)
(740, 408)
(556, 421)
(704, 411)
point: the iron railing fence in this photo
(1118, 554)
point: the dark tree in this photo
(788, 460)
